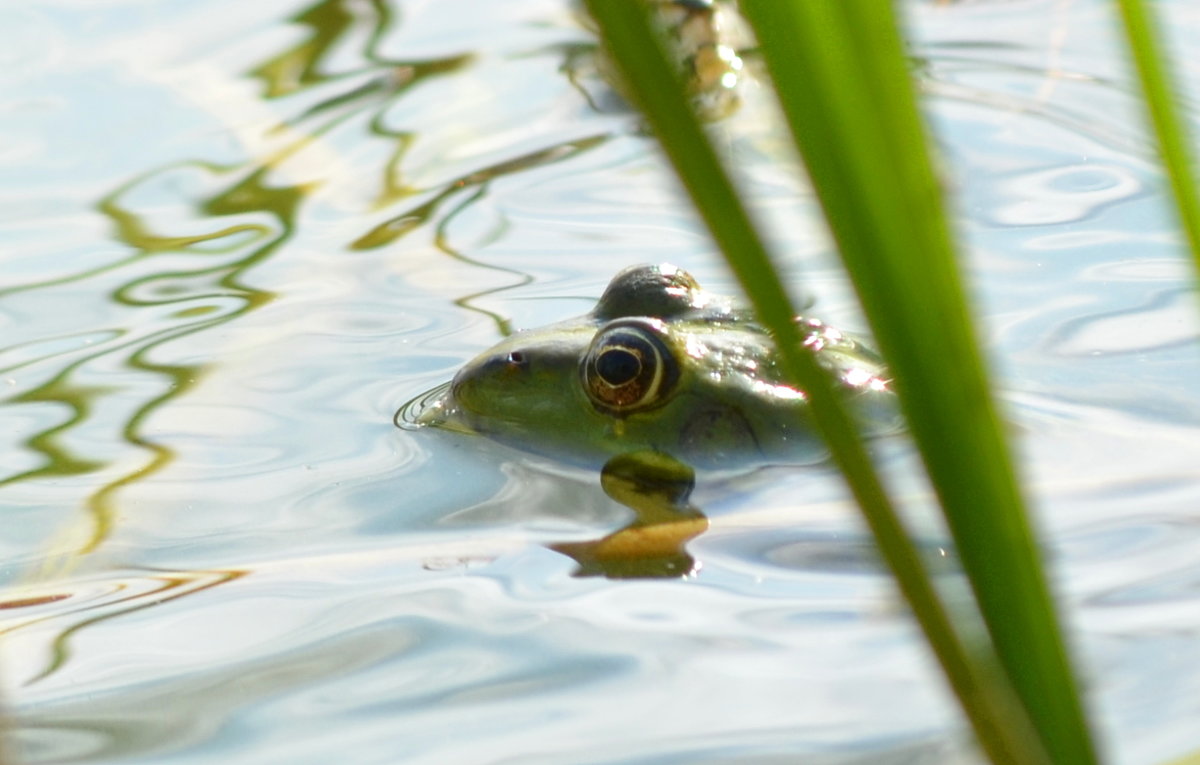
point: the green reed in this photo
(1154, 73)
(840, 74)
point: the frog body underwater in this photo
(659, 365)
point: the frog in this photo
(660, 365)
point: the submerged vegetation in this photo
(841, 76)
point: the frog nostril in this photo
(517, 358)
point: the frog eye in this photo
(628, 367)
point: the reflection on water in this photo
(107, 599)
(657, 488)
(227, 220)
(387, 232)
(238, 236)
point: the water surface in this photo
(237, 236)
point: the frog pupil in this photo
(618, 366)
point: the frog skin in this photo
(659, 365)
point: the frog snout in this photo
(460, 385)
(470, 383)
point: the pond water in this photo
(236, 237)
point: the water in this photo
(233, 245)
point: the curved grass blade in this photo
(1141, 30)
(1000, 725)
(841, 76)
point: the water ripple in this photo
(332, 211)
(1063, 194)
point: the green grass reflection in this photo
(237, 216)
(203, 273)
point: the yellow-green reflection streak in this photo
(441, 240)
(129, 228)
(220, 255)
(173, 585)
(59, 461)
(250, 194)
(477, 183)
(246, 195)
(480, 183)
(328, 22)
(392, 229)
(80, 399)
(389, 83)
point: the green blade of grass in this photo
(1141, 31)
(1000, 724)
(841, 76)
